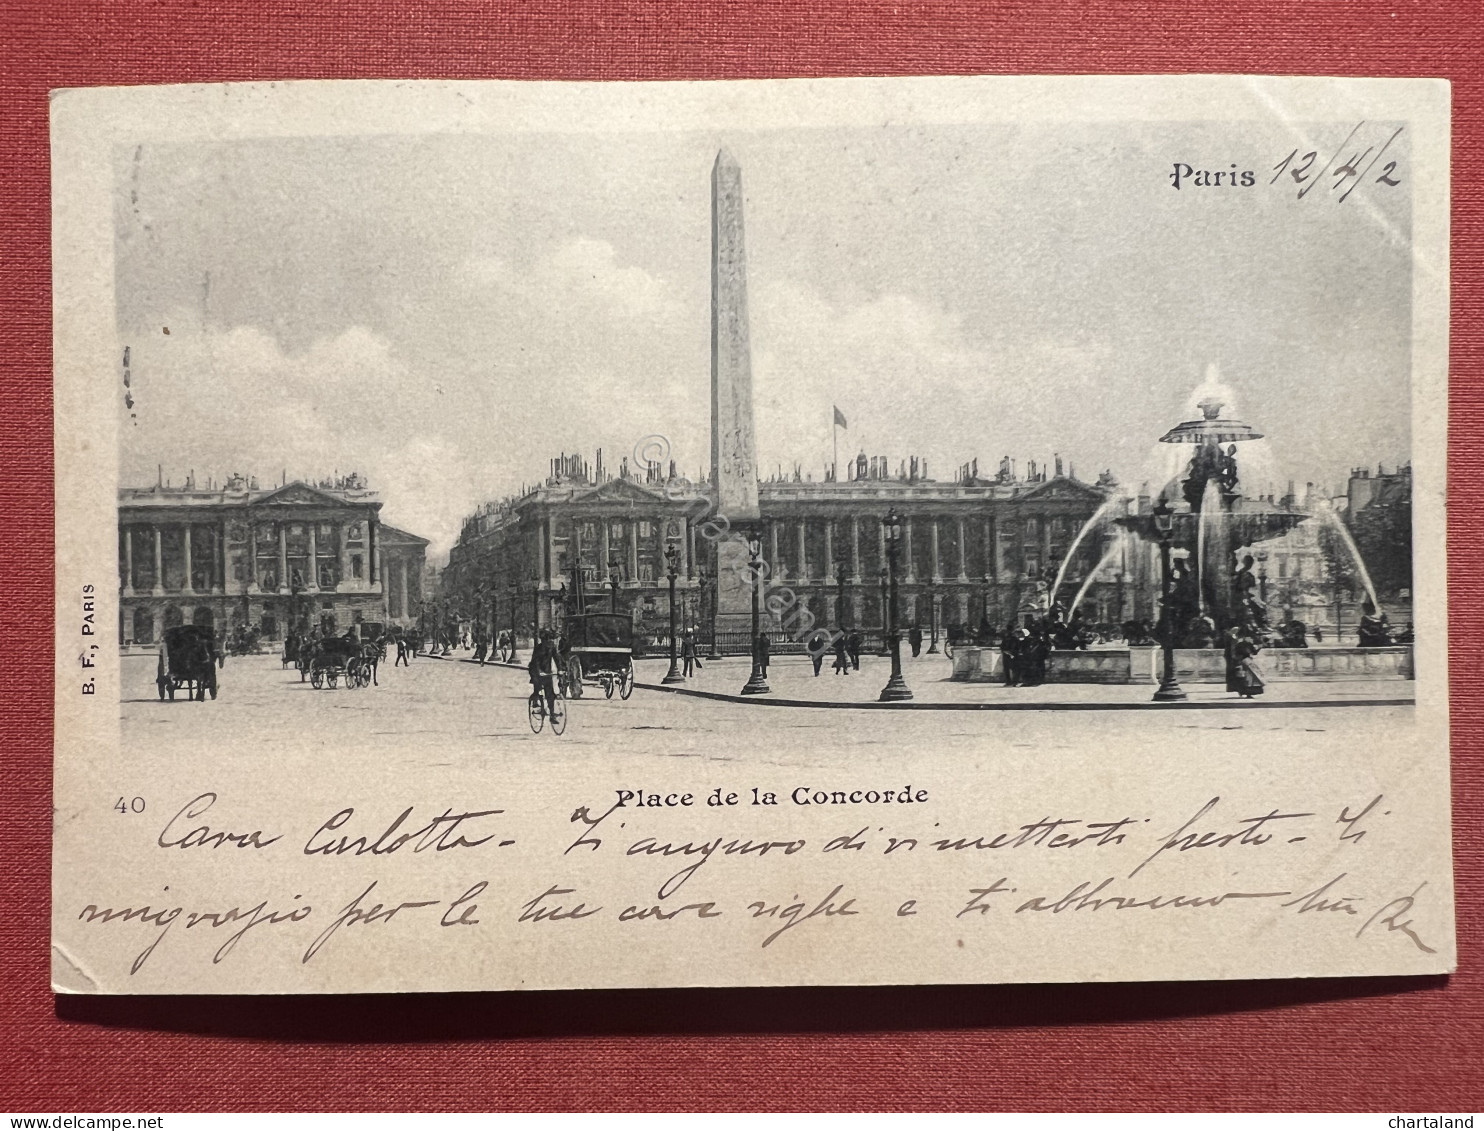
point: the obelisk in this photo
(733, 456)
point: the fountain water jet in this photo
(1333, 521)
(1115, 548)
(1213, 526)
(1066, 560)
(1213, 554)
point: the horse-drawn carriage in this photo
(375, 633)
(598, 648)
(328, 661)
(189, 657)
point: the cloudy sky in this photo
(444, 313)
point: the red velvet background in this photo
(1377, 1044)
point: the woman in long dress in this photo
(1241, 667)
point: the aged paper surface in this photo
(959, 530)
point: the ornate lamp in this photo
(896, 688)
(1164, 527)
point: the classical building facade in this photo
(403, 565)
(237, 556)
(972, 548)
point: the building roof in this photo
(386, 534)
(237, 493)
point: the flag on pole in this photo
(839, 418)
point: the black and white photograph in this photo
(857, 531)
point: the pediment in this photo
(299, 494)
(1062, 489)
(623, 491)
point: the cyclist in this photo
(543, 669)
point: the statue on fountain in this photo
(1251, 610)
(1207, 594)
(1211, 464)
(1374, 631)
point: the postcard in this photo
(863, 531)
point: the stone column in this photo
(803, 574)
(633, 533)
(188, 586)
(775, 566)
(1046, 562)
(252, 557)
(313, 578)
(690, 549)
(129, 564)
(963, 552)
(994, 556)
(933, 546)
(373, 552)
(223, 560)
(159, 585)
(829, 551)
(345, 577)
(283, 557)
(910, 567)
(855, 552)
(607, 549)
(880, 545)
(402, 585)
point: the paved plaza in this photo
(451, 709)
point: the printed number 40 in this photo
(134, 805)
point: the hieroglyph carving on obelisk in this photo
(733, 456)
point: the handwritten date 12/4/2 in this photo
(1349, 165)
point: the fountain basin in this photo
(973, 664)
(1246, 527)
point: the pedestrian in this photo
(819, 644)
(853, 646)
(842, 655)
(688, 653)
(1010, 655)
(914, 638)
(1241, 671)
(760, 653)
(401, 651)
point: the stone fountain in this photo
(1211, 523)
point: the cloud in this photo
(579, 274)
(902, 370)
(542, 360)
(217, 401)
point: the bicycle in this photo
(537, 713)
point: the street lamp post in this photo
(885, 647)
(985, 623)
(1164, 524)
(706, 610)
(715, 651)
(757, 683)
(672, 558)
(932, 618)
(514, 599)
(896, 688)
